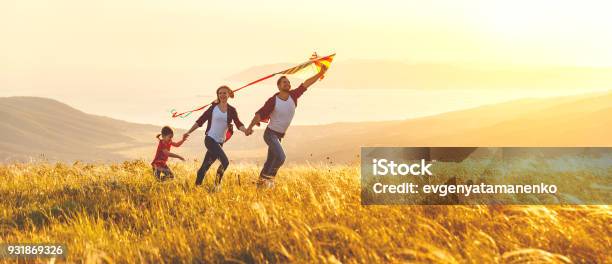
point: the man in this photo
(279, 109)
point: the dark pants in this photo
(159, 170)
(276, 155)
(214, 152)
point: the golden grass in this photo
(119, 213)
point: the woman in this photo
(219, 116)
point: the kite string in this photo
(316, 61)
(254, 82)
(182, 115)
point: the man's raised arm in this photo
(314, 78)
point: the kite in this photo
(313, 64)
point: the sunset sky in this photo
(149, 46)
(228, 34)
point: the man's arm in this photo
(255, 121)
(263, 113)
(310, 81)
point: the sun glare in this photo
(536, 18)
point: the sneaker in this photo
(265, 182)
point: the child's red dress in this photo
(159, 162)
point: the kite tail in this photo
(314, 59)
(187, 113)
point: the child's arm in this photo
(170, 154)
(178, 144)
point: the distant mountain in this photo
(45, 128)
(356, 74)
(564, 121)
(33, 127)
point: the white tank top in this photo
(218, 125)
(281, 117)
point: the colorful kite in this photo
(312, 65)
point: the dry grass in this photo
(119, 213)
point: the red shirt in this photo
(161, 157)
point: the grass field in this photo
(119, 213)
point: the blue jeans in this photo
(276, 155)
(214, 152)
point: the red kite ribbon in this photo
(318, 61)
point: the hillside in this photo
(45, 128)
(564, 121)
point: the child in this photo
(163, 152)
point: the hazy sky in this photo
(56, 47)
(166, 35)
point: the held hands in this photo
(247, 131)
(185, 136)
